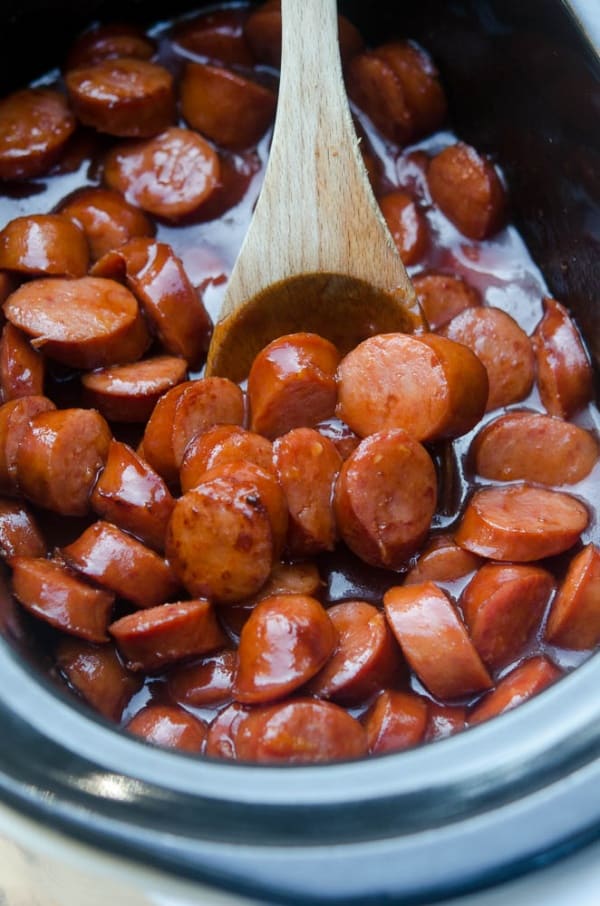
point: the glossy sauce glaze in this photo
(207, 241)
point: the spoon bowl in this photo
(318, 255)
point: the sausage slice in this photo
(527, 446)
(169, 727)
(15, 424)
(51, 592)
(125, 96)
(434, 641)
(44, 245)
(395, 721)
(129, 393)
(98, 675)
(521, 523)
(151, 639)
(169, 175)
(385, 498)
(407, 224)
(219, 445)
(303, 731)
(59, 458)
(430, 387)
(522, 683)
(206, 683)
(574, 620)
(286, 641)
(565, 378)
(85, 323)
(442, 561)
(133, 496)
(35, 125)
(503, 605)
(116, 561)
(21, 367)
(217, 35)
(105, 42)
(223, 731)
(107, 220)
(443, 296)
(20, 535)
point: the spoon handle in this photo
(316, 206)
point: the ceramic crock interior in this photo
(523, 86)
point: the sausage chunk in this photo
(169, 175)
(527, 446)
(129, 393)
(430, 387)
(385, 498)
(124, 96)
(442, 561)
(169, 727)
(97, 674)
(443, 296)
(15, 423)
(226, 519)
(51, 592)
(395, 721)
(565, 377)
(21, 367)
(44, 245)
(59, 458)
(107, 220)
(521, 523)
(84, 323)
(105, 42)
(286, 641)
(219, 445)
(228, 108)
(292, 384)
(407, 225)
(574, 620)
(516, 687)
(35, 125)
(505, 350)
(217, 35)
(20, 535)
(467, 189)
(133, 496)
(205, 683)
(150, 639)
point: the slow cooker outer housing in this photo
(525, 87)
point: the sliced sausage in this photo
(407, 224)
(183, 412)
(169, 727)
(521, 523)
(443, 296)
(574, 620)
(303, 731)
(129, 393)
(15, 423)
(467, 189)
(263, 33)
(130, 494)
(286, 641)
(564, 373)
(442, 561)
(223, 731)
(20, 535)
(44, 244)
(231, 110)
(51, 592)
(217, 35)
(307, 465)
(366, 658)
(123, 565)
(157, 278)
(225, 519)
(527, 446)
(98, 675)
(522, 683)
(35, 125)
(220, 445)
(123, 96)
(502, 346)
(377, 90)
(84, 323)
(292, 384)
(444, 721)
(21, 367)
(420, 83)
(105, 42)
(385, 498)
(430, 387)
(503, 605)
(268, 492)
(205, 683)
(169, 175)
(151, 639)
(107, 220)
(59, 458)
(395, 721)
(434, 641)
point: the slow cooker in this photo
(433, 822)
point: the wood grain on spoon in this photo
(318, 255)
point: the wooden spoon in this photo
(318, 255)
